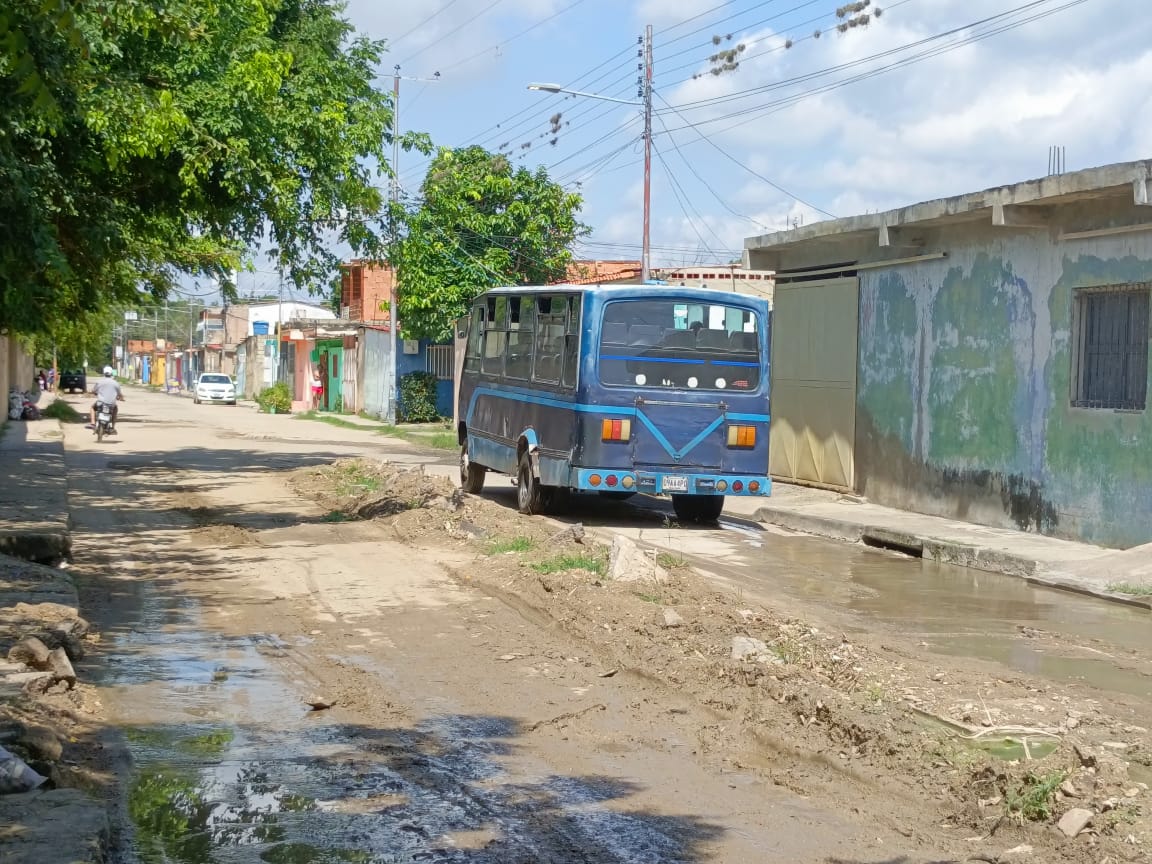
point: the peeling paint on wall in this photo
(964, 400)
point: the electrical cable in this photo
(737, 162)
(455, 29)
(513, 38)
(929, 40)
(686, 203)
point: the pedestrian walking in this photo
(317, 388)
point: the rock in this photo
(61, 668)
(56, 637)
(1087, 757)
(672, 618)
(1074, 821)
(16, 776)
(571, 534)
(1022, 849)
(747, 648)
(31, 652)
(319, 703)
(41, 742)
(1069, 789)
(31, 680)
(1131, 793)
(1115, 746)
(627, 562)
(464, 530)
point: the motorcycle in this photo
(104, 421)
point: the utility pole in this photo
(646, 95)
(395, 199)
(393, 312)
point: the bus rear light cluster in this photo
(612, 481)
(616, 430)
(741, 436)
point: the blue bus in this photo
(616, 391)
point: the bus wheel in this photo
(698, 508)
(532, 498)
(471, 474)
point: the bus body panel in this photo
(674, 433)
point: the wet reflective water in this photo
(962, 612)
(229, 766)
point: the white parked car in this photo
(214, 387)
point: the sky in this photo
(803, 128)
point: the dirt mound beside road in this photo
(877, 726)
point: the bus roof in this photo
(632, 292)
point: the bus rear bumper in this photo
(671, 483)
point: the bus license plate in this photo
(675, 484)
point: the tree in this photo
(142, 141)
(480, 223)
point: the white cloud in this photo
(464, 28)
(975, 117)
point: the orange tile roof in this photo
(591, 272)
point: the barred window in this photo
(1110, 347)
(440, 361)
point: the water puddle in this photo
(1004, 745)
(954, 610)
(228, 766)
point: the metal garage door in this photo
(814, 328)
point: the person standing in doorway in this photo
(317, 388)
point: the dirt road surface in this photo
(460, 721)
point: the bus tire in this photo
(698, 508)
(532, 497)
(471, 474)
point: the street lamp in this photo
(644, 102)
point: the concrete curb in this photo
(942, 551)
(38, 529)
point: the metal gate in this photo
(814, 337)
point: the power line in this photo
(745, 58)
(534, 107)
(523, 32)
(685, 204)
(740, 164)
(743, 94)
(456, 29)
(723, 203)
(409, 32)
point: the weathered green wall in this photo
(963, 389)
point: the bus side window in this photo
(550, 315)
(475, 340)
(521, 324)
(572, 341)
(495, 336)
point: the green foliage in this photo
(561, 563)
(482, 223)
(142, 141)
(1032, 800)
(277, 396)
(62, 411)
(418, 397)
(511, 544)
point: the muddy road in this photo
(467, 723)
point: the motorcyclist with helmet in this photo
(107, 390)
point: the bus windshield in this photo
(679, 344)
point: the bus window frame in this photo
(761, 322)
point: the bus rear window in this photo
(679, 345)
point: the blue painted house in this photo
(982, 357)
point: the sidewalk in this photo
(34, 491)
(1040, 560)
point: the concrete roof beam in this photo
(1018, 216)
